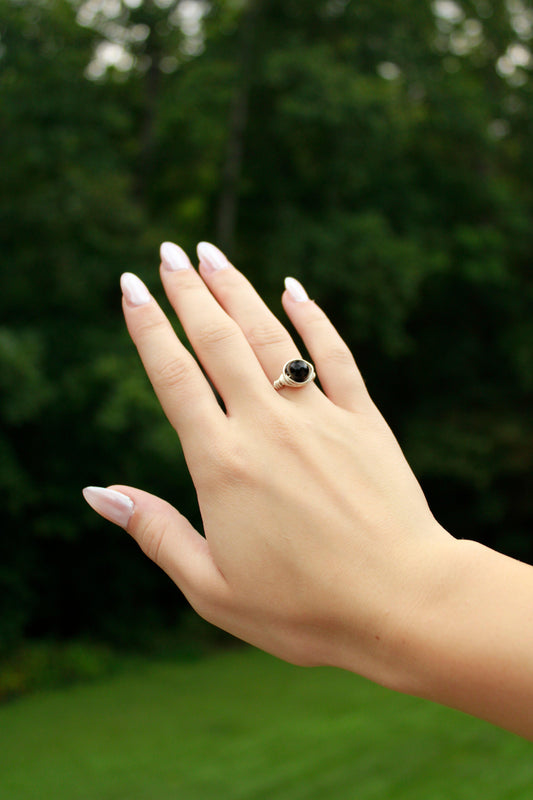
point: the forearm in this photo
(471, 645)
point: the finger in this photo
(183, 391)
(218, 341)
(268, 338)
(166, 537)
(339, 376)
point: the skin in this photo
(319, 544)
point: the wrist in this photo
(390, 642)
(435, 573)
(467, 643)
(423, 643)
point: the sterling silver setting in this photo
(296, 373)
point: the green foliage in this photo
(41, 665)
(378, 151)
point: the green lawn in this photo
(242, 725)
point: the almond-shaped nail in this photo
(134, 290)
(173, 257)
(211, 258)
(112, 505)
(296, 290)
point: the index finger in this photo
(183, 391)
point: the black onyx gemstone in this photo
(298, 370)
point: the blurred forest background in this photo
(379, 151)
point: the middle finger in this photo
(268, 338)
(216, 338)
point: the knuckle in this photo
(189, 283)
(322, 327)
(339, 355)
(151, 537)
(237, 466)
(207, 606)
(315, 317)
(267, 334)
(213, 601)
(286, 432)
(213, 335)
(228, 463)
(225, 286)
(171, 374)
(147, 325)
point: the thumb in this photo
(163, 534)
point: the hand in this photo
(319, 545)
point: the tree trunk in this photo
(238, 118)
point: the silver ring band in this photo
(295, 373)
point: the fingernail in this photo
(112, 505)
(134, 290)
(296, 290)
(211, 257)
(173, 257)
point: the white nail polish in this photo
(112, 505)
(296, 290)
(211, 257)
(173, 257)
(134, 290)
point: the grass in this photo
(241, 725)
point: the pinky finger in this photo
(339, 375)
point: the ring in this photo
(296, 373)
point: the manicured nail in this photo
(173, 257)
(296, 290)
(211, 257)
(134, 290)
(112, 505)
